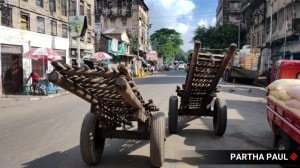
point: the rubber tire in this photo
(220, 117)
(157, 139)
(173, 117)
(91, 145)
(285, 142)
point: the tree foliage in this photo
(181, 56)
(167, 42)
(217, 37)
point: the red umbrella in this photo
(46, 54)
(99, 56)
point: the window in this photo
(89, 37)
(234, 5)
(73, 9)
(88, 12)
(24, 21)
(64, 7)
(40, 25)
(64, 31)
(81, 10)
(40, 3)
(53, 28)
(6, 16)
(113, 3)
(124, 22)
(52, 5)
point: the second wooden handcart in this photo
(198, 94)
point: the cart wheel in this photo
(91, 144)
(157, 139)
(220, 117)
(285, 142)
(173, 118)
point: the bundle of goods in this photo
(286, 92)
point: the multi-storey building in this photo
(273, 26)
(87, 42)
(29, 24)
(130, 15)
(283, 29)
(228, 11)
(26, 24)
(252, 22)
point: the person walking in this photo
(35, 80)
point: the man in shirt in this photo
(35, 79)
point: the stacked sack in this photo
(286, 92)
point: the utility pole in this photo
(271, 29)
(285, 29)
(78, 38)
(239, 34)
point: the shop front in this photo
(14, 68)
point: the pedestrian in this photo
(35, 80)
(152, 69)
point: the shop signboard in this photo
(77, 26)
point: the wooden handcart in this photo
(198, 93)
(116, 107)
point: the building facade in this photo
(228, 11)
(87, 42)
(273, 26)
(29, 24)
(130, 15)
(283, 29)
(26, 24)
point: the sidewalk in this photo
(33, 97)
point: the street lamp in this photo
(78, 38)
(270, 34)
(285, 28)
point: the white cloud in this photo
(203, 23)
(178, 15)
(213, 22)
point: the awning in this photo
(125, 55)
(152, 56)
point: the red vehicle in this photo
(285, 123)
(285, 69)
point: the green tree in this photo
(181, 56)
(217, 37)
(167, 42)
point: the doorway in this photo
(12, 73)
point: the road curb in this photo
(30, 98)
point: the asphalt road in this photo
(45, 133)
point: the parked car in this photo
(171, 67)
(181, 66)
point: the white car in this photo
(181, 66)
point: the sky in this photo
(182, 15)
